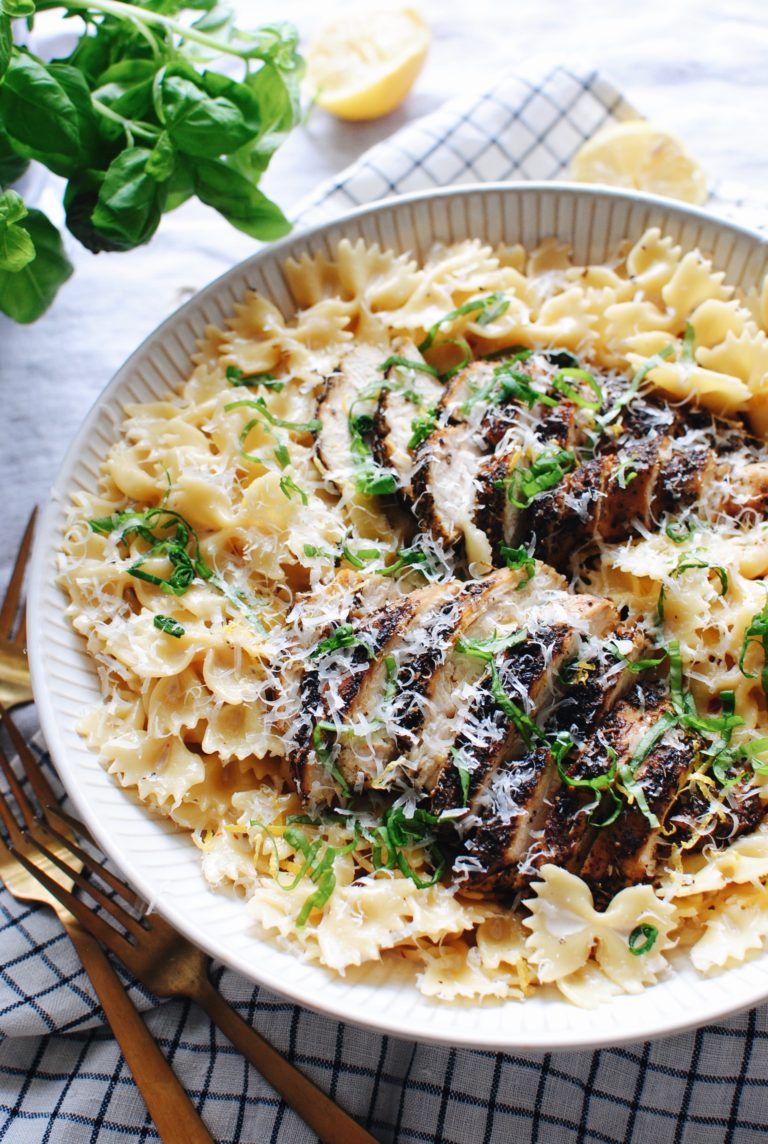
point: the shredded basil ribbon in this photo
(185, 565)
(519, 558)
(408, 363)
(259, 404)
(605, 419)
(288, 487)
(634, 790)
(373, 480)
(268, 421)
(756, 632)
(561, 382)
(684, 564)
(485, 650)
(398, 832)
(687, 355)
(462, 769)
(546, 471)
(343, 636)
(390, 684)
(406, 558)
(642, 939)
(422, 427)
(679, 533)
(324, 752)
(493, 304)
(599, 784)
(635, 665)
(168, 625)
(464, 360)
(237, 378)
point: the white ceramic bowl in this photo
(161, 861)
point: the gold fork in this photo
(169, 1105)
(167, 963)
(15, 687)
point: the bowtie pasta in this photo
(435, 612)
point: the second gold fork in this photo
(165, 961)
(169, 1105)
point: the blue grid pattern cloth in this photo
(62, 1077)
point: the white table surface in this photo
(696, 66)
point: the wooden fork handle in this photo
(315, 1108)
(169, 1105)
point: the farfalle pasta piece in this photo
(588, 987)
(651, 262)
(693, 282)
(455, 971)
(745, 860)
(735, 927)
(566, 931)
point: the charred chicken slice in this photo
(707, 814)
(580, 803)
(443, 691)
(515, 812)
(405, 414)
(337, 669)
(517, 696)
(626, 851)
(357, 374)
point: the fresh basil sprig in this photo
(137, 119)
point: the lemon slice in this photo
(364, 64)
(636, 154)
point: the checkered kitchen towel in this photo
(62, 1079)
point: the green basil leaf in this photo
(279, 111)
(207, 123)
(162, 160)
(129, 204)
(12, 166)
(12, 208)
(47, 112)
(18, 9)
(16, 246)
(181, 185)
(126, 89)
(235, 197)
(27, 293)
(6, 44)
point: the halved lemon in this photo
(364, 64)
(636, 154)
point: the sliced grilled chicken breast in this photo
(407, 405)
(444, 481)
(358, 373)
(516, 698)
(333, 677)
(577, 809)
(369, 712)
(706, 814)
(626, 852)
(609, 496)
(519, 801)
(447, 687)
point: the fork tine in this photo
(34, 825)
(32, 769)
(21, 799)
(118, 912)
(9, 821)
(10, 605)
(91, 921)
